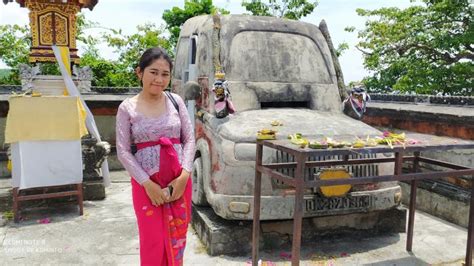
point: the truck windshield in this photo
(258, 56)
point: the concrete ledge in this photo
(226, 237)
(432, 119)
(93, 190)
(6, 199)
(449, 209)
(221, 236)
(424, 98)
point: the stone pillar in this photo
(84, 78)
(53, 85)
(27, 75)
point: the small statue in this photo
(84, 78)
(355, 105)
(27, 74)
(222, 103)
(94, 153)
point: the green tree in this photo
(129, 48)
(15, 42)
(119, 72)
(106, 73)
(290, 9)
(426, 48)
(176, 17)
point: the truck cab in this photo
(276, 69)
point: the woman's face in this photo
(155, 77)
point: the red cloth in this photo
(169, 162)
(162, 229)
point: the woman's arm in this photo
(187, 137)
(123, 144)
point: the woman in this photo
(161, 167)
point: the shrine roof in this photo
(82, 3)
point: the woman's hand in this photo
(179, 185)
(155, 193)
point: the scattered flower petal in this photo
(44, 221)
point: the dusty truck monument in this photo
(279, 76)
(269, 122)
(53, 30)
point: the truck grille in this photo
(355, 170)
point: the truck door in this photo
(190, 73)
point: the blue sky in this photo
(127, 14)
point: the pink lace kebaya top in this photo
(134, 127)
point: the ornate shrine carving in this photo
(53, 22)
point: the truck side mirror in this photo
(192, 90)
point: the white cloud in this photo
(13, 14)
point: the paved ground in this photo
(107, 235)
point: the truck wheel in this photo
(199, 196)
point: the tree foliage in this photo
(14, 38)
(15, 44)
(176, 17)
(290, 9)
(426, 48)
(121, 71)
(14, 50)
(129, 48)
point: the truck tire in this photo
(199, 196)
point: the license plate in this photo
(319, 204)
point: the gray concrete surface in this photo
(452, 210)
(460, 111)
(234, 238)
(107, 235)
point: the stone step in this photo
(226, 237)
